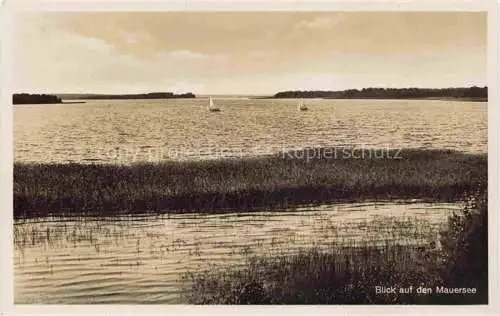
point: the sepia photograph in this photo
(239, 157)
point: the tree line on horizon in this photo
(390, 93)
(153, 95)
(27, 98)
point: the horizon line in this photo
(256, 94)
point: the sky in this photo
(246, 52)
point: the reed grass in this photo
(272, 182)
(350, 275)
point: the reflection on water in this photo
(140, 259)
(151, 130)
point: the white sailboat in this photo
(212, 107)
(302, 106)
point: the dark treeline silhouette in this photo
(25, 98)
(154, 95)
(480, 93)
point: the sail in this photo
(302, 106)
(212, 107)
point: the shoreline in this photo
(483, 100)
(270, 183)
(73, 102)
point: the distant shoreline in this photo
(73, 102)
(424, 99)
(26, 98)
(478, 94)
(472, 94)
(141, 96)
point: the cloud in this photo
(183, 87)
(137, 37)
(186, 55)
(65, 60)
(260, 53)
(317, 23)
(69, 62)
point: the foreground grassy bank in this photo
(272, 182)
(455, 274)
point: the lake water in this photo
(125, 131)
(141, 260)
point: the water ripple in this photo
(126, 131)
(141, 261)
